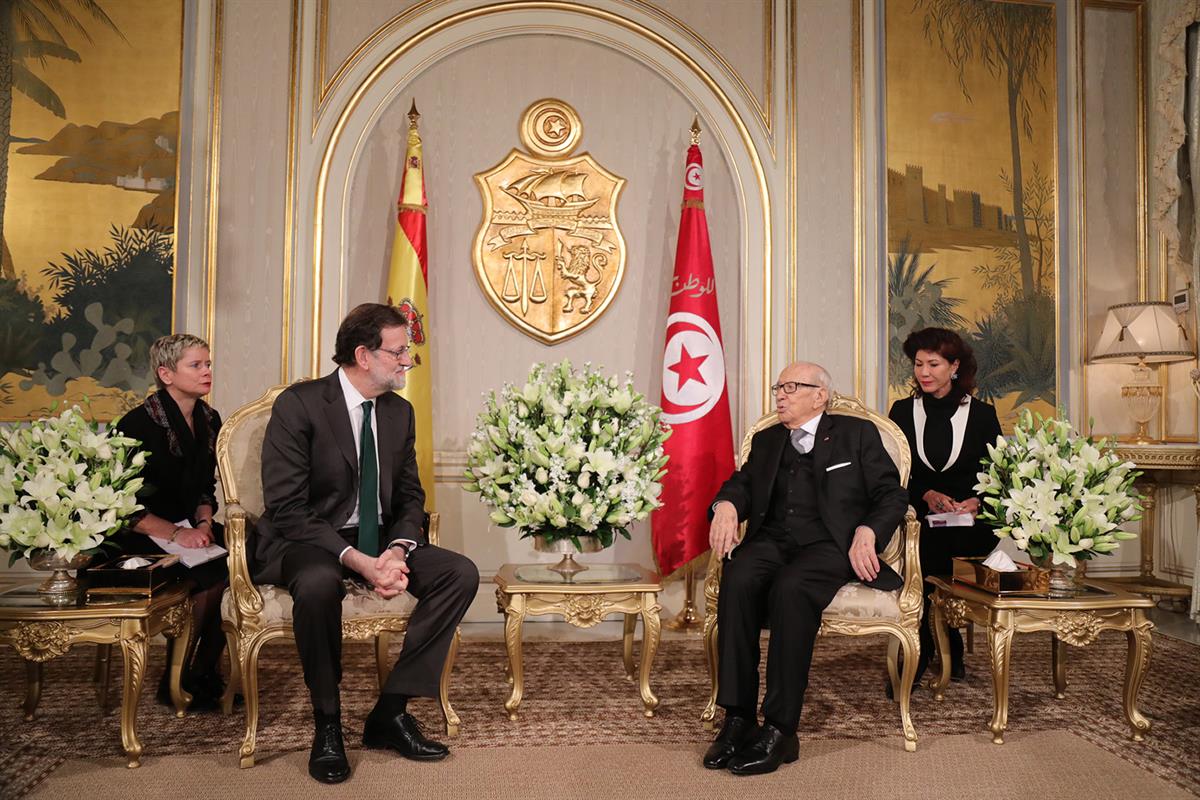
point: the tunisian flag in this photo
(695, 402)
(407, 290)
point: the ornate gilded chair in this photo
(856, 610)
(252, 615)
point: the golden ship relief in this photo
(548, 254)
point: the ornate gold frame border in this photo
(214, 181)
(323, 88)
(547, 5)
(1059, 261)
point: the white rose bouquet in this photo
(570, 454)
(1061, 496)
(65, 485)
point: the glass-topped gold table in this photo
(1076, 621)
(40, 630)
(583, 599)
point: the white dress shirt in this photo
(354, 401)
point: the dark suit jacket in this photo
(865, 492)
(959, 479)
(310, 473)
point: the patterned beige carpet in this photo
(576, 696)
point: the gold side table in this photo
(524, 590)
(1159, 463)
(1076, 621)
(40, 632)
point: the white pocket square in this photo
(838, 466)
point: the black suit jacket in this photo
(866, 491)
(959, 479)
(310, 473)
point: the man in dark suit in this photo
(344, 500)
(821, 498)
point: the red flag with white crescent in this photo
(695, 401)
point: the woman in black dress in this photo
(948, 432)
(178, 431)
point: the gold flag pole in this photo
(688, 619)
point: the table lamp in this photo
(1142, 334)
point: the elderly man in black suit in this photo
(821, 498)
(344, 500)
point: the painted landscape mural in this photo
(89, 111)
(971, 190)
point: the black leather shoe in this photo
(765, 752)
(402, 733)
(327, 761)
(733, 735)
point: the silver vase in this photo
(61, 585)
(567, 566)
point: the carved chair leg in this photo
(235, 673)
(383, 640)
(893, 665)
(452, 720)
(248, 653)
(710, 653)
(911, 644)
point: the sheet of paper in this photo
(950, 520)
(191, 556)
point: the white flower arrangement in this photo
(569, 454)
(65, 485)
(1060, 495)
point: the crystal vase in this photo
(567, 566)
(61, 585)
(1063, 578)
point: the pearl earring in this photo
(953, 376)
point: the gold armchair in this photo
(856, 610)
(253, 615)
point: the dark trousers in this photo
(444, 583)
(772, 581)
(938, 547)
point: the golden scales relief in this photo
(548, 254)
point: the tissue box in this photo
(110, 579)
(1029, 580)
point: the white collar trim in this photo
(958, 429)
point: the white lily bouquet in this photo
(65, 485)
(569, 454)
(1060, 495)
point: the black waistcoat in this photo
(793, 513)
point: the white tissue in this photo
(134, 563)
(1000, 562)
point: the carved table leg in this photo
(133, 651)
(180, 629)
(514, 616)
(942, 640)
(651, 629)
(1136, 663)
(33, 688)
(1000, 635)
(1058, 663)
(627, 642)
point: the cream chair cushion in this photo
(856, 601)
(360, 601)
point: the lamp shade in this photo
(1148, 333)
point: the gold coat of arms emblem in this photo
(548, 254)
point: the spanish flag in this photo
(408, 290)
